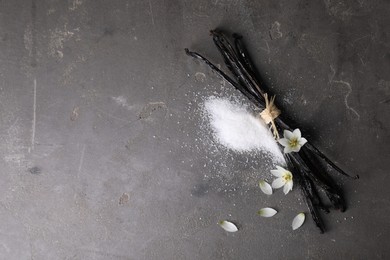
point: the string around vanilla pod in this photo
(270, 113)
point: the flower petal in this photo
(287, 149)
(265, 187)
(302, 141)
(228, 226)
(296, 148)
(298, 221)
(288, 134)
(277, 173)
(297, 133)
(281, 169)
(287, 187)
(284, 141)
(278, 183)
(267, 212)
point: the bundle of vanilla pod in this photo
(307, 163)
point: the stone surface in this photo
(105, 152)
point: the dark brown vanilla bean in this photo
(244, 56)
(308, 190)
(239, 87)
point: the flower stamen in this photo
(294, 142)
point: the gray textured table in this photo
(103, 147)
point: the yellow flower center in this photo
(287, 176)
(294, 142)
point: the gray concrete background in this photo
(105, 153)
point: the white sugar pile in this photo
(238, 129)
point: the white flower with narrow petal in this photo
(292, 141)
(285, 178)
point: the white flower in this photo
(292, 141)
(285, 178)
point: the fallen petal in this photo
(298, 221)
(265, 187)
(267, 212)
(228, 226)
